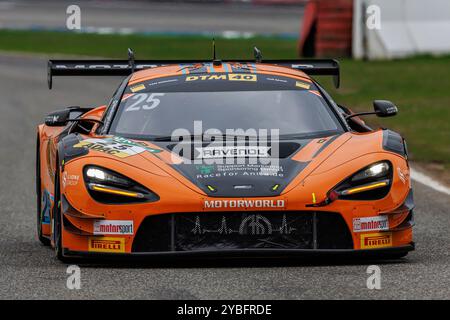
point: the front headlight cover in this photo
(109, 187)
(373, 171)
(371, 183)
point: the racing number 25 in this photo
(145, 101)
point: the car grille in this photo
(242, 230)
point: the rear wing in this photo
(322, 67)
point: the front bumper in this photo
(240, 234)
(247, 253)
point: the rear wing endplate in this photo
(321, 67)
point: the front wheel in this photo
(57, 224)
(40, 213)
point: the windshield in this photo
(160, 112)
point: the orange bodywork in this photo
(342, 157)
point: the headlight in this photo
(110, 187)
(370, 183)
(373, 171)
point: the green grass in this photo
(421, 89)
(419, 86)
(156, 47)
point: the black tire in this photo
(57, 222)
(44, 240)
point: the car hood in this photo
(222, 171)
(231, 171)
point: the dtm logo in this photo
(229, 77)
(214, 204)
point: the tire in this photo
(44, 240)
(57, 221)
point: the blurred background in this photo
(397, 50)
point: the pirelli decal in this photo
(107, 244)
(376, 240)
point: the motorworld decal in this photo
(247, 204)
(233, 151)
(377, 223)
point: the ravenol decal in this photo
(116, 146)
(215, 204)
(378, 223)
(107, 244)
(376, 240)
(233, 151)
(230, 77)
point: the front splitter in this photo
(246, 253)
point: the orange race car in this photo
(220, 157)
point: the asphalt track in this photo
(29, 270)
(147, 16)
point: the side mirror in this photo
(58, 118)
(384, 108)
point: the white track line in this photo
(428, 181)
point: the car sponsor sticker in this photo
(401, 175)
(70, 179)
(46, 203)
(238, 170)
(242, 77)
(233, 151)
(121, 227)
(303, 85)
(107, 244)
(377, 223)
(116, 146)
(229, 77)
(260, 203)
(137, 88)
(376, 240)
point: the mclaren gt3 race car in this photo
(219, 157)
